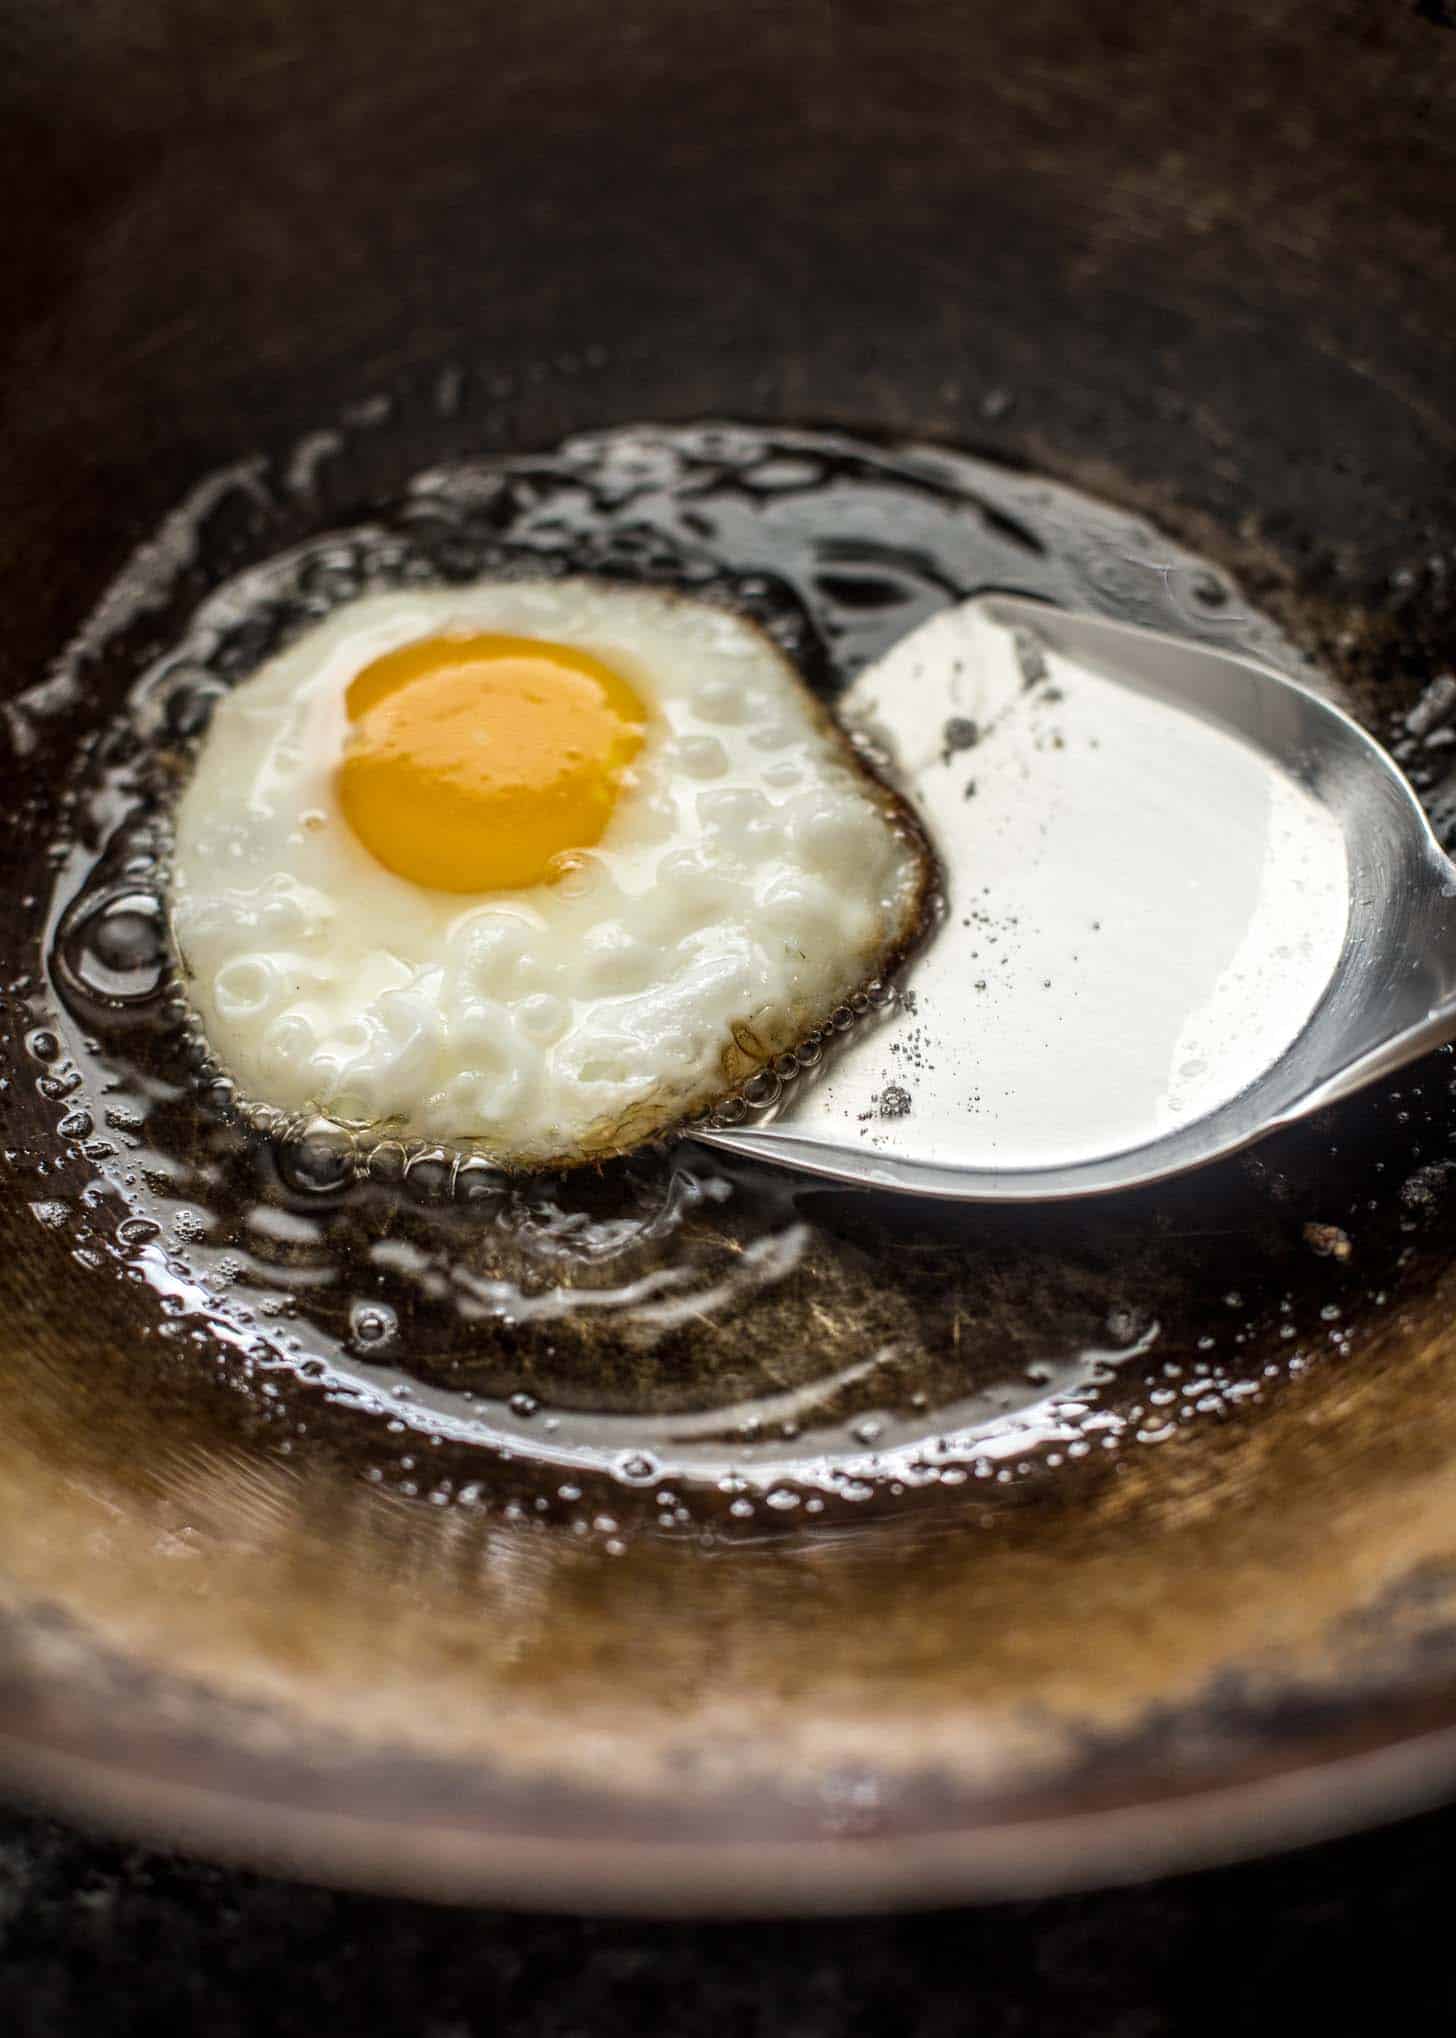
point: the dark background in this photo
(109, 1939)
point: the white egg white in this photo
(752, 877)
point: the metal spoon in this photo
(1188, 901)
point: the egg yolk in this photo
(475, 763)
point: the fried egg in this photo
(538, 868)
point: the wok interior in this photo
(1197, 271)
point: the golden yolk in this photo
(476, 762)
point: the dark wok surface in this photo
(225, 220)
(1200, 265)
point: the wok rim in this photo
(1321, 1789)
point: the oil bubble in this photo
(429, 1175)
(372, 1323)
(319, 1163)
(113, 951)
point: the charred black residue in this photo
(959, 734)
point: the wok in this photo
(1196, 263)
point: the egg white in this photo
(752, 877)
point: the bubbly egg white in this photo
(752, 876)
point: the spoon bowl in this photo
(1189, 901)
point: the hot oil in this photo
(669, 1337)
